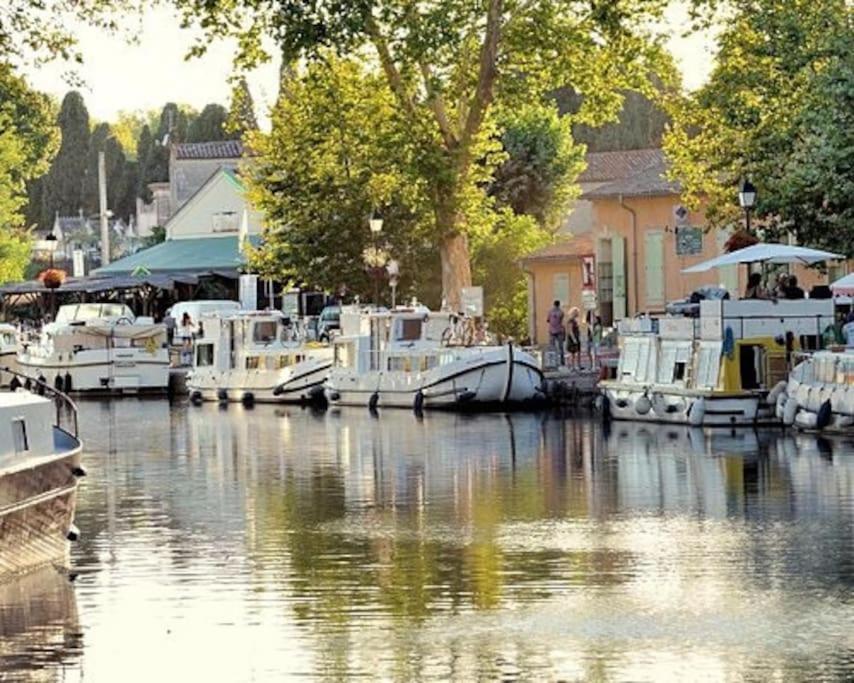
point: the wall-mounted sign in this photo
(680, 214)
(588, 271)
(471, 299)
(689, 241)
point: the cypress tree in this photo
(102, 140)
(209, 125)
(63, 188)
(144, 156)
(241, 110)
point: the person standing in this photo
(573, 339)
(170, 323)
(557, 331)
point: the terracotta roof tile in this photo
(642, 175)
(574, 247)
(219, 149)
(608, 166)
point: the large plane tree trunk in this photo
(453, 250)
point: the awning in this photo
(765, 253)
(191, 255)
(844, 285)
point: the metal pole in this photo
(102, 197)
(747, 217)
(376, 270)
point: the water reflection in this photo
(457, 546)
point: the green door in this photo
(654, 269)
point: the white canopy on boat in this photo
(844, 285)
(767, 253)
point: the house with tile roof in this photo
(624, 245)
(204, 236)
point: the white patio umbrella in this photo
(765, 253)
(844, 285)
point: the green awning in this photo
(183, 255)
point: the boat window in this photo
(19, 436)
(284, 361)
(204, 355)
(408, 329)
(679, 371)
(400, 364)
(264, 331)
(428, 362)
(252, 363)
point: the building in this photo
(191, 164)
(204, 236)
(623, 248)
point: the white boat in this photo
(39, 469)
(8, 352)
(256, 356)
(819, 393)
(715, 370)
(409, 358)
(99, 348)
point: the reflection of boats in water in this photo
(39, 468)
(39, 627)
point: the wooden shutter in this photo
(654, 268)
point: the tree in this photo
(209, 125)
(777, 110)
(27, 139)
(62, 190)
(241, 110)
(172, 129)
(335, 153)
(447, 63)
(543, 162)
(145, 160)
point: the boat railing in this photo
(42, 388)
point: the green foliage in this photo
(62, 190)
(446, 63)
(27, 138)
(777, 110)
(538, 176)
(335, 152)
(241, 110)
(158, 235)
(209, 125)
(102, 140)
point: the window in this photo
(284, 361)
(19, 436)
(264, 331)
(252, 363)
(409, 329)
(204, 355)
(224, 221)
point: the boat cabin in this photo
(733, 346)
(403, 340)
(248, 341)
(26, 426)
(82, 314)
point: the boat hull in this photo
(37, 503)
(298, 383)
(131, 375)
(706, 409)
(490, 379)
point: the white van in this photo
(197, 309)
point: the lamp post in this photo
(747, 198)
(50, 280)
(393, 269)
(376, 225)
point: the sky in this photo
(145, 75)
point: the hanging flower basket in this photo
(52, 278)
(739, 240)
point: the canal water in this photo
(247, 545)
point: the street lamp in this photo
(747, 198)
(376, 225)
(393, 269)
(52, 244)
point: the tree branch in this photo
(395, 80)
(486, 77)
(437, 104)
